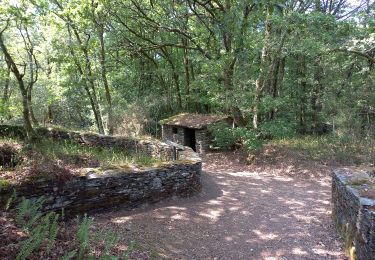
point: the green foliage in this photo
(29, 212)
(223, 136)
(83, 236)
(279, 128)
(43, 229)
(4, 184)
(39, 227)
(314, 66)
(333, 149)
(226, 137)
(108, 157)
(248, 138)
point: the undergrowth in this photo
(63, 150)
(42, 232)
(72, 152)
(332, 148)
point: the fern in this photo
(38, 227)
(43, 230)
(70, 255)
(35, 240)
(128, 251)
(29, 213)
(10, 200)
(83, 236)
(53, 231)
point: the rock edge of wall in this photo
(354, 215)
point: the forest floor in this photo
(277, 208)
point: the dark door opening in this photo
(189, 138)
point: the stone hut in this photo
(191, 129)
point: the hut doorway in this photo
(189, 137)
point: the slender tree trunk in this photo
(258, 92)
(104, 78)
(94, 97)
(5, 97)
(6, 83)
(316, 104)
(31, 111)
(185, 42)
(88, 84)
(302, 71)
(30, 134)
(274, 77)
(260, 82)
(230, 104)
(187, 68)
(49, 115)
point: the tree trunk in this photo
(48, 118)
(89, 84)
(6, 84)
(302, 70)
(30, 134)
(230, 103)
(260, 83)
(5, 98)
(316, 104)
(104, 78)
(187, 68)
(31, 111)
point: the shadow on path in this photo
(239, 215)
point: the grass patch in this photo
(333, 149)
(61, 160)
(72, 152)
(4, 184)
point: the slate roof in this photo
(195, 121)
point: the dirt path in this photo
(242, 213)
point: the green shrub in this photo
(280, 128)
(248, 138)
(225, 137)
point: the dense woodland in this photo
(118, 67)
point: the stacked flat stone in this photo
(101, 189)
(354, 213)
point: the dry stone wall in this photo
(149, 146)
(112, 189)
(98, 190)
(353, 213)
(168, 134)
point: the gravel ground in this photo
(277, 209)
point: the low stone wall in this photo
(353, 212)
(100, 189)
(113, 188)
(149, 146)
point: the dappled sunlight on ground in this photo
(241, 213)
